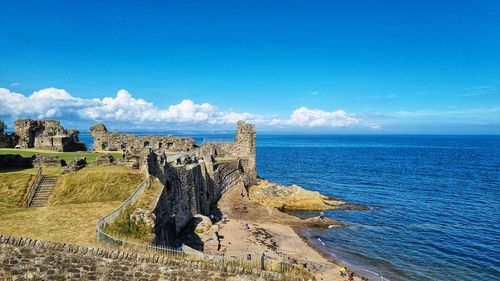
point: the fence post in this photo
(262, 262)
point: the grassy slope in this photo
(78, 200)
(67, 156)
(95, 184)
(13, 185)
(125, 228)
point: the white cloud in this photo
(126, 109)
(58, 103)
(46, 103)
(305, 117)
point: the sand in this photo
(271, 231)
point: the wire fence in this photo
(113, 215)
(262, 261)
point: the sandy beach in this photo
(270, 231)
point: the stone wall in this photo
(39, 160)
(24, 258)
(190, 188)
(12, 161)
(114, 141)
(243, 148)
(46, 134)
(6, 140)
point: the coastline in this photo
(321, 249)
(271, 231)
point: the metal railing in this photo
(263, 261)
(111, 216)
(32, 188)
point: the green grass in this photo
(78, 200)
(96, 184)
(124, 227)
(67, 156)
(14, 183)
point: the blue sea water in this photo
(434, 201)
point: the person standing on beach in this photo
(343, 271)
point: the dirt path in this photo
(270, 231)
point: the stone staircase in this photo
(43, 191)
(229, 175)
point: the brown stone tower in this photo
(244, 146)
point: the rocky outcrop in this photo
(75, 165)
(143, 217)
(104, 159)
(200, 234)
(291, 197)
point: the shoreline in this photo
(369, 274)
(271, 231)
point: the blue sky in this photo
(317, 66)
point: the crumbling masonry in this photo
(114, 141)
(46, 134)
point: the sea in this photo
(433, 200)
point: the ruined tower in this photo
(244, 147)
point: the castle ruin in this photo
(115, 141)
(46, 134)
(194, 178)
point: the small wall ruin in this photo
(46, 134)
(6, 140)
(115, 141)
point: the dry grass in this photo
(79, 199)
(150, 196)
(96, 184)
(13, 184)
(72, 223)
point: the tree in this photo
(3, 127)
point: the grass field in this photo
(78, 200)
(67, 156)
